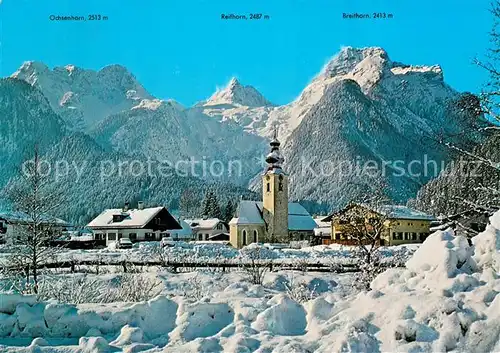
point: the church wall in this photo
(236, 234)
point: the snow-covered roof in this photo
(21, 217)
(250, 212)
(299, 218)
(389, 211)
(322, 224)
(203, 223)
(403, 212)
(133, 218)
(322, 228)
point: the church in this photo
(274, 219)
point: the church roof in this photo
(250, 212)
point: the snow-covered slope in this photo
(364, 107)
(26, 120)
(84, 97)
(172, 134)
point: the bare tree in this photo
(364, 224)
(34, 201)
(255, 264)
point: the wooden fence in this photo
(74, 266)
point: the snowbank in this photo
(46, 319)
(446, 299)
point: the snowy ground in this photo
(323, 254)
(446, 299)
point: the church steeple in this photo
(275, 195)
(275, 159)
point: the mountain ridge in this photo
(386, 110)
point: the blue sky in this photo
(182, 49)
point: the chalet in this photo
(11, 221)
(205, 229)
(141, 224)
(402, 225)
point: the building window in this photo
(407, 236)
(423, 236)
(255, 237)
(244, 237)
(132, 236)
(413, 236)
(397, 236)
(111, 236)
(117, 218)
(149, 236)
(200, 236)
(280, 186)
(268, 187)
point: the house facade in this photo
(12, 222)
(323, 231)
(141, 224)
(206, 229)
(402, 225)
(274, 219)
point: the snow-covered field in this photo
(323, 254)
(446, 299)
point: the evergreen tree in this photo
(229, 211)
(216, 210)
(210, 206)
(188, 204)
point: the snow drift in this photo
(446, 298)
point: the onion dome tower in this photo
(275, 194)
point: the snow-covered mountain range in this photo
(84, 97)
(362, 106)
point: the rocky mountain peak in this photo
(29, 71)
(234, 93)
(349, 58)
(83, 97)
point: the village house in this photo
(209, 229)
(12, 222)
(402, 225)
(323, 230)
(274, 220)
(141, 224)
